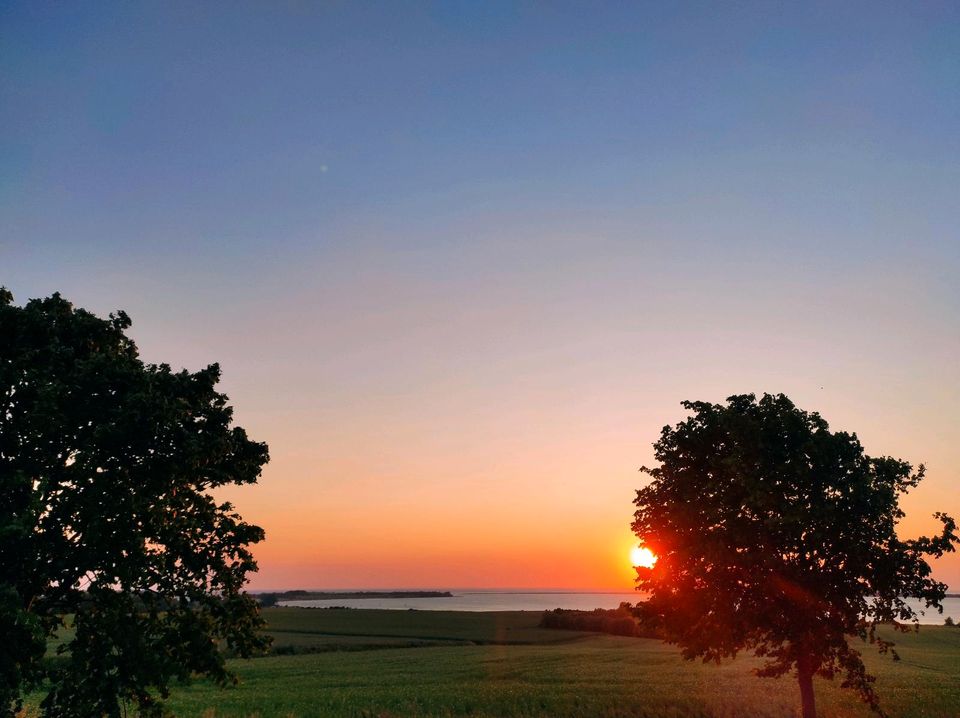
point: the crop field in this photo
(425, 663)
(330, 627)
(339, 662)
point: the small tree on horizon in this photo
(106, 516)
(776, 536)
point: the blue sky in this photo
(482, 221)
(190, 126)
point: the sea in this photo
(500, 600)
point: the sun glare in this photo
(642, 556)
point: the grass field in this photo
(503, 664)
(329, 627)
(425, 663)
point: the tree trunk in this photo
(805, 676)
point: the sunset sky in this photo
(460, 262)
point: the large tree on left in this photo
(107, 522)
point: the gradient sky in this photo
(461, 261)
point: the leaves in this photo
(776, 535)
(106, 465)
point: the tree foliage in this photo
(106, 517)
(777, 536)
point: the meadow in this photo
(339, 662)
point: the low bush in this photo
(622, 621)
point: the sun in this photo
(642, 556)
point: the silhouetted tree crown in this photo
(777, 536)
(106, 467)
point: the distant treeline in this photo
(271, 599)
(622, 621)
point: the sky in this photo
(460, 262)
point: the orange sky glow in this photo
(527, 490)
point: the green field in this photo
(502, 664)
(425, 663)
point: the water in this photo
(475, 600)
(483, 601)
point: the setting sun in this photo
(642, 556)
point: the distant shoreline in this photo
(300, 595)
(272, 597)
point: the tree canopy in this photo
(106, 516)
(777, 536)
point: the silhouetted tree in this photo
(105, 514)
(777, 536)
